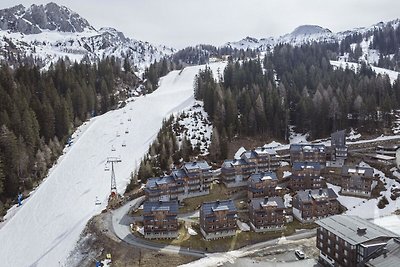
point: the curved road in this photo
(121, 225)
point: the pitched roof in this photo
(171, 206)
(202, 165)
(153, 182)
(307, 147)
(265, 151)
(351, 228)
(355, 170)
(388, 259)
(210, 207)
(297, 166)
(267, 201)
(258, 177)
(305, 195)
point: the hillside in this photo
(42, 34)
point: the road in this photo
(121, 227)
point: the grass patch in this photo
(217, 192)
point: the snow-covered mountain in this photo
(302, 35)
(45, 33)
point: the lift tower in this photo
(113, 160)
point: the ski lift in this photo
(106, 167)
(97, 201)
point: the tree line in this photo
(40, 109)
(293, 86)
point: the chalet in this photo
(357, 181)
(310, 205)
(160, 219)
(266, 159)
(193, 179)
(262, 185)
(267, 214)
(308, 153)
(236, 172)
(218, 219)
(338, 149)
(305, 175)
(349, 241)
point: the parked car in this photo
(300, 254)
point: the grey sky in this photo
(180, 23)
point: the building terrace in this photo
(267, 214)
(192, 179)
(310, 205)
(160, 219)
(218, 219)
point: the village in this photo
(269, 193)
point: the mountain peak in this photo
(36, 18)
(309, 30)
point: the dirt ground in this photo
(96, 242)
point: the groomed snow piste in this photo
(45, 228)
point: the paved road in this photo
(121, 225)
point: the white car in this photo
(300, 254)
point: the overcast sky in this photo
(180, 23)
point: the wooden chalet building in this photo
(308, 153)
(160, 219)
(236, 172)
(218, 219)
(357, 181)
(191, 180)
(267, 214)
(262, 185)
(310, 205)
(305, 175)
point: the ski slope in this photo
(44, 230)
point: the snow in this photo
(367, 208)
(243, 226)
(51, 45)
(353, 135)
(191, 231)
(273, 144)
(286, 174)
(287, 198)
(391, 223)
(284, 163)
(47, 226)
(217, 259)
(196, 126)
(355, 66)
(296, 138)
(239, 152)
